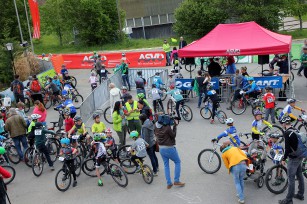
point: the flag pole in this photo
(17, 15)
(32, 47)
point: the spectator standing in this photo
(235, 161)
(147, 133)
(167, 49)
(269, 101)
(114, 95)
(174, 55)
(303, 65)
(35, 88)
(166, 138)
(40, 110)
(145, 109)
(244, 71)
(132, 114)
(20, 110)
(17, 88)
(214, 68)
(125, 73)
(231, 67)
(119, 123)
(17, 128)
(182, 44)
(124, 94)
(198, 85)
(140, 83)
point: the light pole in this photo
(119, 19)
(9, 47)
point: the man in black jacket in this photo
(182, 44)
(294, 163)
(214, 68)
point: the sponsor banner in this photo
(273, 81)
(110, 60)
(184, 84)
(42, 76)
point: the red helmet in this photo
(108, 130)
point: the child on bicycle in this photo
(212, 95)
(138, 149)
(156, 97)
(157, 80)
(274, 147)
(67, 104)
(98, 126)
(31, 129)
(93, 80)
(269, 104)
(251, 88)
(110, 144)
(287, 111)
(176, 94)
(257, 125)
(68, 121)
(231, 132)
(40, 141)
(57, 82)
(79, 129)
(69, 153)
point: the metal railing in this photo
(147, 74)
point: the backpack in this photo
(301, 151)
(35, 86)
(17, 87)
(139, 82)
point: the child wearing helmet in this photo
(211, 93)
(67, 104)
(79, 129)
(157, 80)
(40, 141)
(138, 149)
(257, 125)
(287, 111)
(57, 82)
(176, 94)
(269, 104)
(142, 97)
(69, 152)
(31, 129)
(231, 132)
(98, 126)
(99, 151)
(252, 89)
(124, 94)
(140, 83)
(110, 144)
(68, 121)
(2, 138)
(156, 97)
(93, 80)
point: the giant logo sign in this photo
(273, 81)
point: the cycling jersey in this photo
(157, 81)
(252, 87)
(68, 104)
(111, 141)
(140, 147)
(257, 125)
(100, 150)
(79, 129)
(175, 94)
(287, 111)
(98, 127)
(269, 100)
(231, 132)
(67, 151)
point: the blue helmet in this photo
(65, 141)
(64, 93)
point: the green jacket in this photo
(304, 58)
(117, 121)
(40, 136)
(166, 47)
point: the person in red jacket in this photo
(3, 174)
(68, 122)
(269, 101)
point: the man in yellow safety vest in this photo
(132, 114)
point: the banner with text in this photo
(110, 60)
(273, 81)
(185, 84)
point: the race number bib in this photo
(103, 71)
(155, 91)
(278, 157)
(270, 99)
(177, 92)
(38, 132)
(141, 147)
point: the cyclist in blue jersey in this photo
(176, 94)
(67, 104)
(252, 89)
(157, 80)
(287, 111)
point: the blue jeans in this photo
(171, 154)
(168, 58)
(125, 78)
(295, 169)
(153, 158)
(20, 139)
(238, 173)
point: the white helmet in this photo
(66, 88)
(229, 121)
(35, 116)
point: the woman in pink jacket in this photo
(41, 110)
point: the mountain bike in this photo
(206, 112)
(12, 171)
(239, 106)
(63, 176)
(49, 99)
(10, 148)
(184, 110)
(295, 64)
(209, 160)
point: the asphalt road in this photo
(192, 137)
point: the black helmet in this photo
(157, 73)
(139, 72)
(95, 115)
(291, 100)
(275, 135)
(38, 125)
(286, 120)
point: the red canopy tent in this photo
(238, 39)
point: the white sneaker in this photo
(241, 201)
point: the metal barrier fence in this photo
(99, 97)
(146, 74)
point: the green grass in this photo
(50, 44)
(304, 17)
(296, 34)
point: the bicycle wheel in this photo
(163, 97)
(118, 175)
(170, 107)
(28, 156)
(128, 166)
(302, 128)
(77, 101)
(108, 115)
(78, 162)
(123, 153)
(209, 161)
(147, 174)
(277, 112)
(37, 164)
(276, 179)
(295, 64)
(13, 173)
(186, 113)
(238, 107)
(275, 129)
(53, 150)
(74, 81)
(27, 105)
(206, 113)
(88, 167)
(12, 154)
(221, 116)
(304, 167)
(63, 179)
(47, 101)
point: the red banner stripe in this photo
(35, 18)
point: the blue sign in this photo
(215, 83)
(184, 84)
(273, 81)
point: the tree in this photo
(195, 18)
(297, 8)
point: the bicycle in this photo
(163, 95)
(184, 110)
(63, 176)
(11, 170)
(77, 99)
(295, 64)
(145, 170)
(116, 172)
(206, 112)
(301, 119)
(49, 99)
(239, 106)
(11, 150)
